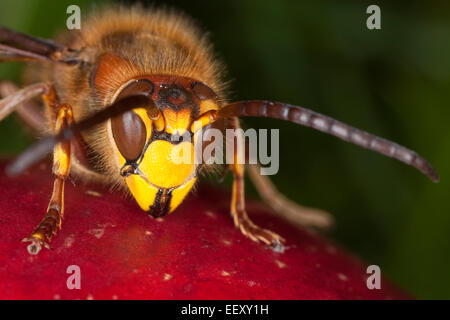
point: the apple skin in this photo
(194, 253)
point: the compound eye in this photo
(202, 91)
(137, 87)
(129, 134)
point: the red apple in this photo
(194, 253)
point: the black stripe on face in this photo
(161, 205)
(172, 138)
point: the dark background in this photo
(393, 82)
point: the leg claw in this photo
(275, 241)
(36, 245)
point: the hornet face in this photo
(154, 146)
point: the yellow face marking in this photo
(177, 121)
(180, 193)
(142, 191)
(164, 165)
(167, 165)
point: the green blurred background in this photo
(393, 82)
